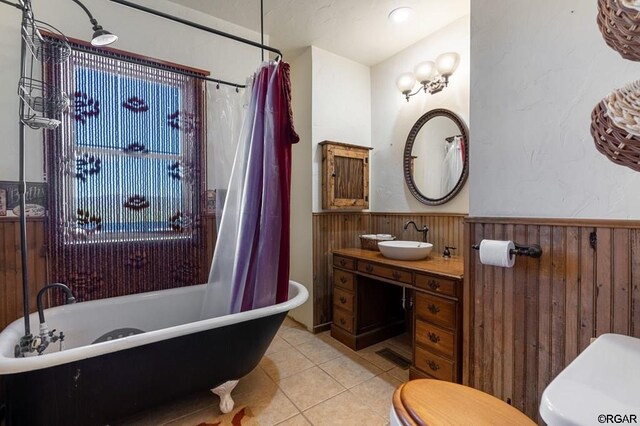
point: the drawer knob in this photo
(433, 337)
(433, 309)
(369, 268)
(433, 285)
(433, 365)
(343, 279)
(343, 300)
(342, 321)
(396, 275)
(343, 262)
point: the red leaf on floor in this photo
(237, 419)
(209, 424)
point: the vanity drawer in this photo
(344, 262)
(382, 271)
(343, 279)
(436, 338)
(436, 310)
(437, 285)
(343, 299)
(343, 319)
(434, 365)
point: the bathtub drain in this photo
(118, 333)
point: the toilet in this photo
(435, 402)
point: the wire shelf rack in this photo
(42, 102)
(45, 49)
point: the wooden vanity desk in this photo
(375, 298)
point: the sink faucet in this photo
(30, 343)
(424, 229)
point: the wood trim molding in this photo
(120, 52)
(602, 223)
(17, 219)
(372, 213)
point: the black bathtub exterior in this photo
(99, 390)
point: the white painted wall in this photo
(341, 108)
(392, 117)
(331, 101)
(139, 33)
(539, 68)
(301, 183)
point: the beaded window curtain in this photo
(125, 172)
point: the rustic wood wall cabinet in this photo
(345, 176)
(368, 308)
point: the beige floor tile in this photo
(319, 351)
(296, 336)
(343, 409)
(310, 387)
(377, 393)
(298, 420)
(268, 409)
(171, 411)
(290, 322)
(400, 344)
(400, 374)
(350, 370)
(370, 355)
(255, 382)
(278, 344)
(283, 364)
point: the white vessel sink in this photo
(603, 380)
(405, 250)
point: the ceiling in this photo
(355, 29)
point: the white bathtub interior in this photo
(160, 315)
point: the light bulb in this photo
(406, 82)
(400, 14)
(447, 63)
(425, 71)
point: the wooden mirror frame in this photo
(408, 177)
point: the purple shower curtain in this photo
(256, 218)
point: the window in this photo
(130, 163)
(125, 173)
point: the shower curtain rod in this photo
(198, 26)
(184, 22)
(151, 64)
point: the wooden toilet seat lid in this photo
(435, 402)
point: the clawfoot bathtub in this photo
(126, 354)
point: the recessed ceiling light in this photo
(400, 14)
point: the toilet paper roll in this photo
(496, 253)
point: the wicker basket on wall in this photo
(619, 22)
(615, 126)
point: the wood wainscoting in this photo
(11, 269)
(334, 230)
(525, 324)
(11, 266)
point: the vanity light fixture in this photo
(432, 76)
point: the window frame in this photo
(194, 197)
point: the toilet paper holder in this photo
(534, 250)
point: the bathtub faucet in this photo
(424, 229)
(28, 342)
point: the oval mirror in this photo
(436, 161)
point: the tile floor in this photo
(303, 379)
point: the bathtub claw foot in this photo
(224, 392)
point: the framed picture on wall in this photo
(210, 207)
(3, 202)
(35, 199)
